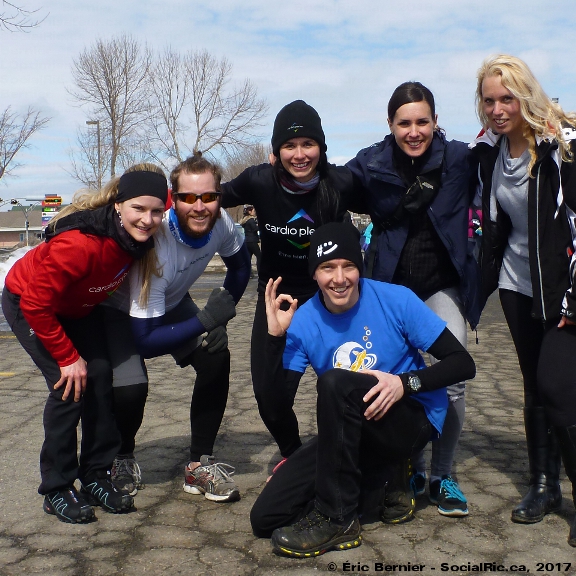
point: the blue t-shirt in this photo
(384, 331)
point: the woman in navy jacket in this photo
(528, 178)
(418, 191)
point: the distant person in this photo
(293, 196)
(419, 187)
(169, 322)
(528, 180)
(50, 302)
(251, 235)
(378, 403)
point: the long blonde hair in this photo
(92, 199)
(541, 116)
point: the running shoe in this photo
(126, 474)
(211, 478)
(314, 535)
(276, 468)
(103, 492)
(68, 506)
(448, 496)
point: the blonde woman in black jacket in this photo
(528, 186)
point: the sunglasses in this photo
(205, 197)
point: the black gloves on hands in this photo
(216, 340)
(219, 309)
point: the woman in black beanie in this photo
(295, 194)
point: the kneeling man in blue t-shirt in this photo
(378, 403)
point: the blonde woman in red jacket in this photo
(50, 301)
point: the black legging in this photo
(207, 406)
(129, 403)
(527, 335)
(275, 409)
(557, 375)
(254, 250)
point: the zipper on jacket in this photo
(538, 243)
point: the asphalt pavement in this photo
(172, 532)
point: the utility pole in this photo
(97, 124)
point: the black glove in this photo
(218, 310)
(216, 340)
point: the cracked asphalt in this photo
(172, 532)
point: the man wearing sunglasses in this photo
(165, 320)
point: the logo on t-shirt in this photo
(354, 357)
(294, 233)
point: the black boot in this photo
(567, 442)
(544, 495)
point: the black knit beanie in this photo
(333, 241)
(295, 120)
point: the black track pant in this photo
(330, 469)
(59, 465)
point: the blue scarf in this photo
(183, 238)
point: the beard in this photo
(199, 231)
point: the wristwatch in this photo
(414, 383)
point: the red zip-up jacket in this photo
(66, 277)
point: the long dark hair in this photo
(327, 197)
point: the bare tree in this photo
(88, 163)
(169, 87)
(14, 17)
(111, 78)
(195, 108)
(15, 131)
(251, 155)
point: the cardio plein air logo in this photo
(296, 232)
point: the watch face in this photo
(414, 383)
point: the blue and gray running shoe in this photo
(446, 494)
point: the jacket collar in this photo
(485, 137)
(383, 160)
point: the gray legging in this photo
(447, 304)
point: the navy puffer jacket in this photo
(374, 172)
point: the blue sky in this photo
(344, 58)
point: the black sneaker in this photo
(68, 506)
(103, 492)
(314, 535)
(399, 501)
(446, 494)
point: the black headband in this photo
(142, 183)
